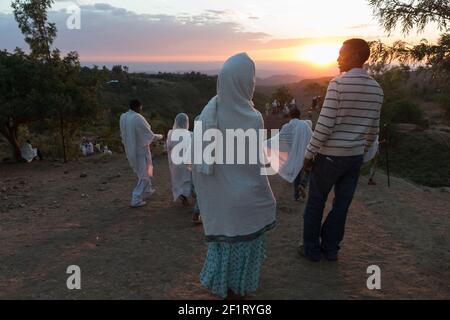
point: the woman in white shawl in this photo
(236, 201)
(180, 173)
(287, 159)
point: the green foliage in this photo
(420, 157)
(315, 89)
(283, 95)
(43, 85)
(31, 16)
(402, 111)
(416, 14)
(412, 14)
(164, 95)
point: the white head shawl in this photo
(235, 89)
(181, 121)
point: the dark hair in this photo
(295, 113)
(135, 104)
(359, 47)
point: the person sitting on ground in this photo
(29, 153)
(86, 147)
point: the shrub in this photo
(402, 111)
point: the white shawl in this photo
(28, 152)
(236, 201)
(180, 173)
(372, 152)
(293, 139)
(137, 136)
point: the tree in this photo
(315, 89)
(283, 95)
(44, 85)
(412, 14)
(19, 95)
(431, 57)
(31, 16)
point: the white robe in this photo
(137, 136)
(372, 152)
(28, 152)
(180, 174)
(294, 138)
(236, 201)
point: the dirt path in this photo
(51, 218)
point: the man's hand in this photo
(308, 164)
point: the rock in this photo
(445, 190)
(83, 195)
(83, 175)
(101, 189)
(3, 190)
(22, 205)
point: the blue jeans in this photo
(329, 171)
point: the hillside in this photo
(156, 253)
(303, 91)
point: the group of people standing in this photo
(276, 107)
(236, 202)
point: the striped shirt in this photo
(350, 118)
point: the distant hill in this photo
(303, 90)
(278, 80)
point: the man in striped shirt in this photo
(347, 126)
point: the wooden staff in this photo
(386, 138)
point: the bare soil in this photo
(53, 216)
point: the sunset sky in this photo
(283, 36)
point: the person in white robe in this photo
(293, 103)
(29, 153)
(287, 159)
(137, 136)
(275, 106)
(236, 202)
(86, 147)
(90, 148)
(371, 156)
(180, 174)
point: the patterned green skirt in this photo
(234, 266)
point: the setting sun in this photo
(320, 54)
